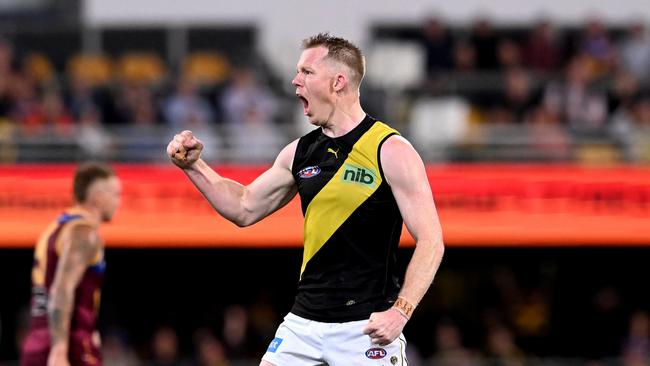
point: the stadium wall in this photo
(479, 205)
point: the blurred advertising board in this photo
(478, 204)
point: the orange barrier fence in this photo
(479, 205)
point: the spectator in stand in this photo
(186, 108)
(6, 76)
(50, 117)
(634, 51)
(209, 350)
(501, 348)
(117, 349)
(543, 49)
(485, 43)
(449, 347)
(165, 348)
(93, 139)
(597, 47)
(236, 335)
(624, 91)
(465, 57)
(6, 57)
(642, 112)
(249, 108)
(549, 140)
(574, 102)
(530, 318)
(515, 102)
(24, 99)
(81, 98)
(625, 105)
(245, 100)
(135, 104)
(438, 45)
(129, 99)
(508, 54)
(143, 134)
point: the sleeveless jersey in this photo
(88, 291)
(352, 225)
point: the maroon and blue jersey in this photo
(86, 299)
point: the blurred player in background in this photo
(358, 180)
(68, 273)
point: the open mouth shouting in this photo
(305, 104)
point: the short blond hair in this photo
(341, 50)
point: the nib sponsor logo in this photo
(359, 175)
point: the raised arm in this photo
(79, 248)
(243, 205)
(405, 173)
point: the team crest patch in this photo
(393, 360)
(376, 353)
(309, 172)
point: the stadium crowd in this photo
(561, 84)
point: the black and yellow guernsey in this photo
(352, 225)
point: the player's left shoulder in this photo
(396, 147)
(400, 162)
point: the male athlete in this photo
(68, 273)
(357, 179)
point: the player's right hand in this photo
(58, 356)
(184, 149)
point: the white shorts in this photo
(303, 342)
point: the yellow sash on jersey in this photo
(355, 181)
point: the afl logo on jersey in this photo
(309, 172)
(376, 353)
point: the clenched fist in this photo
(384, 327)
(185, 149)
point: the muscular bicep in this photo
(78, 250)
(406, 175)
(273, 189)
